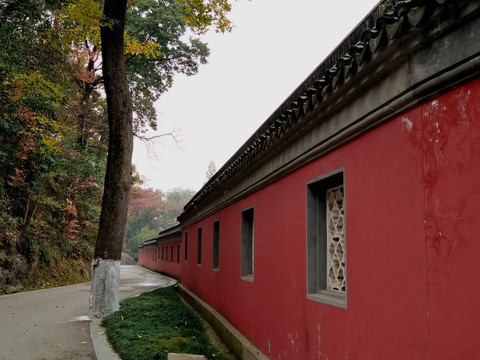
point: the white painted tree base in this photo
(104, 292)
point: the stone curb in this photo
(174, 356)
(102, 348)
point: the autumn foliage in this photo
(152, 211)
(54, 130)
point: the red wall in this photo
(412, 190)
(152, 258)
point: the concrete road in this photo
(53, 324)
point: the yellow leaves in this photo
(35, 83)
(202, 14)
(70, 209)
(36, 99)
(147, 48)
(51, 144)
(85, 17)
(17, 90)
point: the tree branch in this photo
(130, 58)
(150, 138)
(151, 141)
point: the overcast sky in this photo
(274, 46)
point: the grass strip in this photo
(153, 324)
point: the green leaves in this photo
(162, 23)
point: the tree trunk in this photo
(104, 295)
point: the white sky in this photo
(274, 46)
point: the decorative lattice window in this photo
(326, 240)
(335, 240)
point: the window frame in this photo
(316, 229)
(199, 246)
(248, 244)
(186, 246)
(216, 245)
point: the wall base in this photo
(240, 346)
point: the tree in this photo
(106, 263)
(104, 298)
(143, 235)
(176, 199)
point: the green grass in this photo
(153, 324)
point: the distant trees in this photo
(152, 211)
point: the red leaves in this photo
(27, 144)
(72, 229)
(146, 198)
(85, 76)
(18, 179)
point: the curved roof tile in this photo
(377, 31)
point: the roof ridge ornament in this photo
(416, 14)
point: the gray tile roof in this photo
(377, 31)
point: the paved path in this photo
(53, 324)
